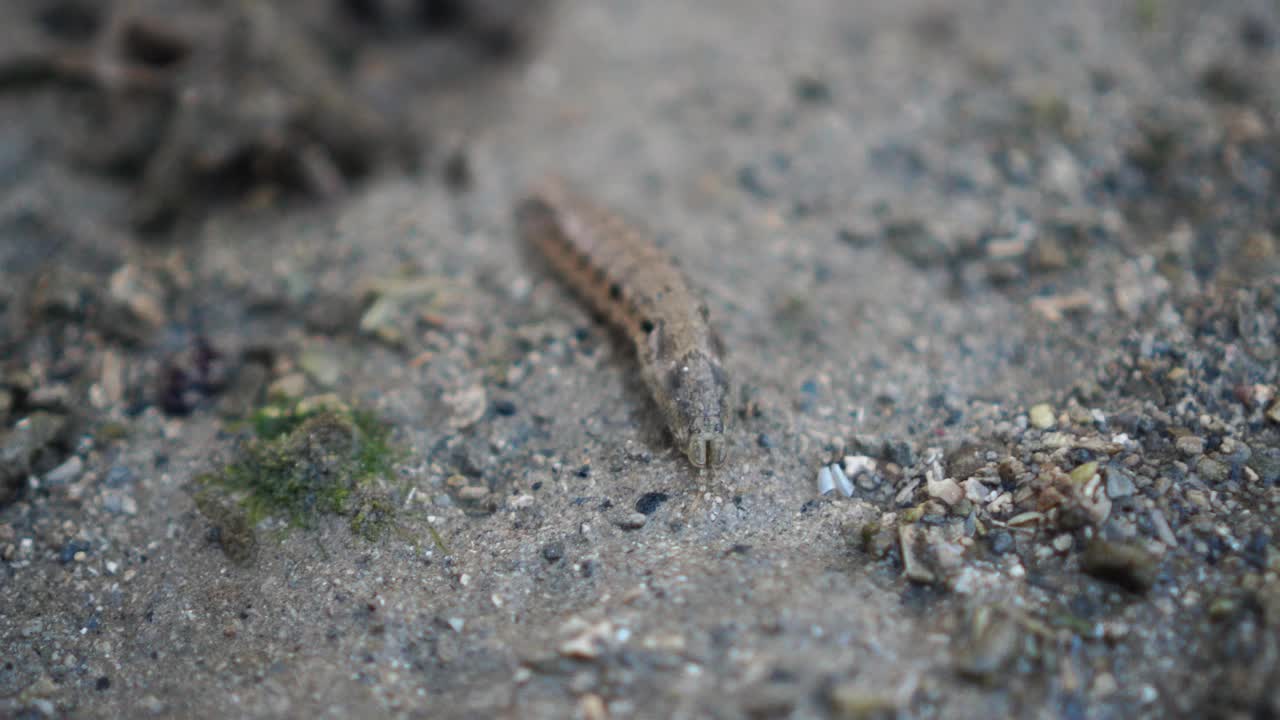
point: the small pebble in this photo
(322, 367)
(466, 406)
(633, 521)
(73, 551)
(293, 385)
(65, 473)
(472, 493)
(1212, 470)
(764, 441)
(857, 465)
(1190, 445)
(553, 551)
(649, 502)
(1273, 412)
(947, 490)
(848, 699)
(1041, 416)
(1000, 542)
(1119, 482)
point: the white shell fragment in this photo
(843, 483)
(826, 483)
(855, 465)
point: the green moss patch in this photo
(302, 460)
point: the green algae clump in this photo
(303, 459)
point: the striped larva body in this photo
(626, 278)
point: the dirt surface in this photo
(1013, 266)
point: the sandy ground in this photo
(913, 222)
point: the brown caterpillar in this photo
(629, 280)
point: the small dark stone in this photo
(764, 441)
(812, 90)
(1138, 426)
(458, 175)
(365, 11)
(1254, 32)
(1217, 548)
(191, 376)
(749, 180)
(1266, 462)
(1226, 84)
(441, 15)
(505, 408)
(1080, 456)
(649, 502)
(68, 552)
(913, 240)
(1000, 542)
(584, 471)
(854, 238)
(500, 43)
(536, 486)
(553, 551)
(899, 452)
(176, 397)
(1255, 550)
(70, 20)
(103, 683)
